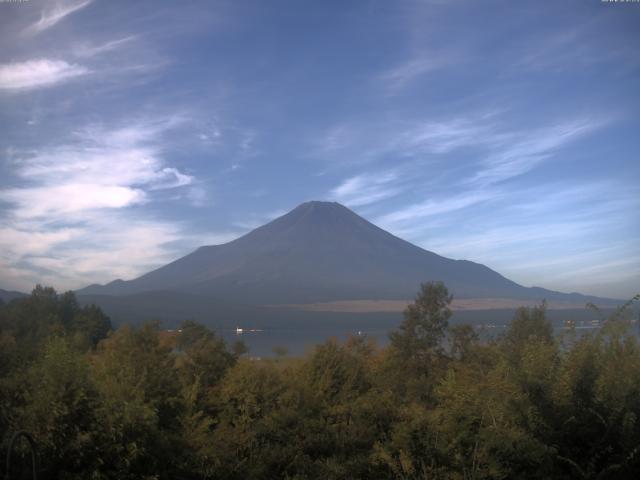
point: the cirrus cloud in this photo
(55, 12)
(37, 73)
(69, 219)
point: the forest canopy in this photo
(145, 403)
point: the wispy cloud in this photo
(197, 196)
(491, 243)
(498, 153)
(54, 13)
(527, 150)
(495, 150)
(578, 47)
(372, 139)
(449, 134)
(69, 219)
(101, 168)
(98, 249)
(405, 73)
(91, 50)
(37, 202)
(39, 73)
(434, 207)
(428, 58)
(18, 243)
(367, 188)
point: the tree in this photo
(204, 359)
(462, 340)
(529, 325)
(140, 404)
(425, 322)
(33, 319)
(59, 409)
(597, 405)
(280, 351)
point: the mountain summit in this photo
(319, 251)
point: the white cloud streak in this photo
(445, 136)
(69, 223)
(430, 208)
(38, 73)
(101, 169)
(367, 188)
(89, 51)
(55, 12)
(368, 141)
(527, 150)
(99, 250)
(70, 198)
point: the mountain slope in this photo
(319, 251)
(7, 295)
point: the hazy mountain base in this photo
(8, 295)
(173, 307)
(370, 306)
(436, 403)
(297, 330)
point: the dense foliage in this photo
(143, 403)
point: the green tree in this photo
(44, 313)
(528, 325)
(202, 362)
(480, 425)
(58, 408)
(463, 339)
(140, 405)
(415, 359)
(251, 438)
(597, 404)
(90, 325)
(425, 322)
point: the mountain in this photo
(320, 252)
(7, 295)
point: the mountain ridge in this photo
(7, 295)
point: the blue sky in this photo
(500, 132)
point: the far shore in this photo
(371, 306)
